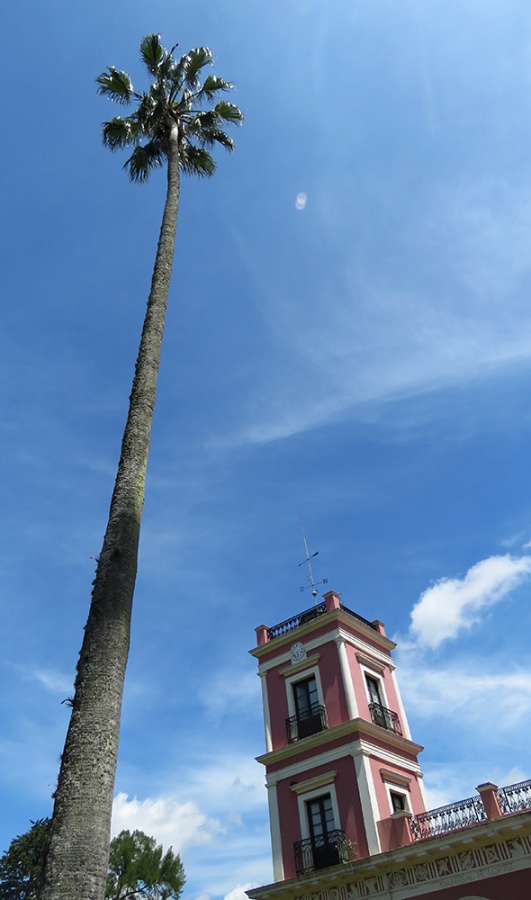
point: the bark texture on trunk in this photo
(78, 852)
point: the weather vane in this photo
(308, 562)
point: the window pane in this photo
(398, 801)
(306, 695)
(374, 690)
(320, 817)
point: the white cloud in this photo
(454, 604)
(220, 854)
(238, 893)
(169, 821)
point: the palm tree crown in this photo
(174, 104)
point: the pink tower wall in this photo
(371, 648)
(348, 801)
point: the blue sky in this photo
(348, 339)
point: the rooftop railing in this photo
(307, 616)
(448, 818)
(512, 799)
(515, 798)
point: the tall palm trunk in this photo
(77, 858)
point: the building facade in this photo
(347, 810)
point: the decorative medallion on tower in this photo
(298, 652)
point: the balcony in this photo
(304, 724)
(322, 852)
(385, 718)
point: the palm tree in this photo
(177, 121)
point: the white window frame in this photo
(376, 676)
(400, 791)
(305, 796)
(302, 676)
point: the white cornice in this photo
(335, 634)
(311, 784)
(353, 726)
(355, 747)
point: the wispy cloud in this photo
(54, 681)
(453, 605)
(375, 332)
(235, 693)
(465, 694)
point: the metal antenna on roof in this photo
(308, 562)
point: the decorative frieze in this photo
(455, 869)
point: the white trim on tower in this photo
(274, 827)
(352, 706)
(369, 803)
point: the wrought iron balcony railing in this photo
(448, 818)
(385, 718)
(515, 798)
(301, 618)
(323, 852)
(304, 724)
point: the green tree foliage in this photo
(175, 122)
(21, 865)
(138, 867)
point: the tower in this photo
(340, 762)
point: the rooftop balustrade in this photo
(307, 616)
(448, 818)
(515, 797)
(512, 799)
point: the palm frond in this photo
(119, 133)
(143, 159)
(212, 84)
(116, 85)
(205, 126)
(184, 103)
(210, 136)
(196, 60)
(196, 161)
(229, 112)
(152, 52)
